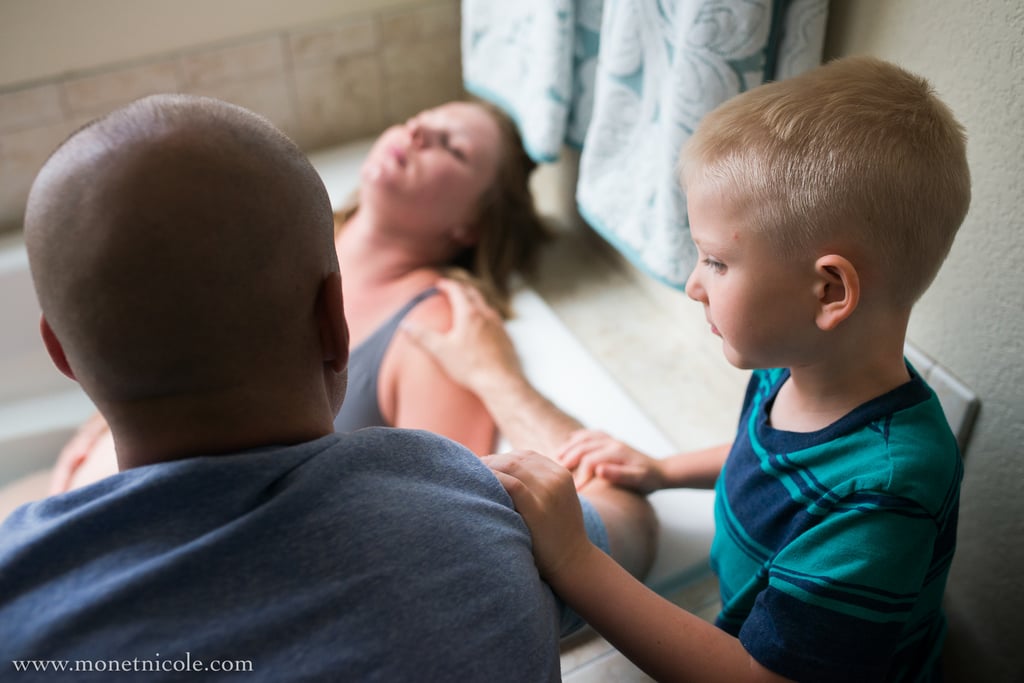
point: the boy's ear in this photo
(333, 327)
(54, 348)
(837, 288)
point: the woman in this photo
(444, 194)
(447, 190)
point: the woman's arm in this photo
(88, 457)
(415, 393)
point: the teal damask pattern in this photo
(626, 81)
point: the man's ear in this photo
(54, 348)
(837, 288)
(331, 319)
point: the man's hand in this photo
(476, 352)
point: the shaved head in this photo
(177, 246)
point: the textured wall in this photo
(972, 318)
(40, 38)
(322, 77)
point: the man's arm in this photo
(478, 354)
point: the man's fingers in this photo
(466, 299)
(421, 336)
(457, 294)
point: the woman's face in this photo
(431, 171)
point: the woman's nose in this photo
(420, 135)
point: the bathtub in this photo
(40, 408)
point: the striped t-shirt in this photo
(833, 547)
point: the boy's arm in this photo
(591, 453)
(696, 469)
(661, 638)
(478, 354)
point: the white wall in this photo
(972, 318)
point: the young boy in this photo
(821, 207)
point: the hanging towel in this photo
(627, 81)
(519, 56)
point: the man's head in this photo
(857, 157)
(179, 248)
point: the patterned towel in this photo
(627, 81)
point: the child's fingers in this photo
(528, 476)
(543, 493)
(626, 476)
(516, 489)
(580, 443)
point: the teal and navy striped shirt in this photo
(833, 547)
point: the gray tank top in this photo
(362, 407)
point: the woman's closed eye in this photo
(455, 150)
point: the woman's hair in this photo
(509, 228)
(857, 152)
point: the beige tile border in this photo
(323, 85)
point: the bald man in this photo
(182, 252)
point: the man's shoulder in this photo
(417, 462)
(414, 449)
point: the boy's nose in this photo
(693, 287)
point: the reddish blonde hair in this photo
(510, 229)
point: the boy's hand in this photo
(476, 348)
(544, 495)
(591, 453)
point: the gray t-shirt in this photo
(381, 555)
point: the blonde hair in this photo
(510, 230)
(857, 153)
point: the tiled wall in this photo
(322, 85)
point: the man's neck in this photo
(164, 430)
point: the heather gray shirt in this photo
(383, 555)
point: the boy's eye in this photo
(714, 265)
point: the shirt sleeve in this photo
(569, 621)
(841, 595)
